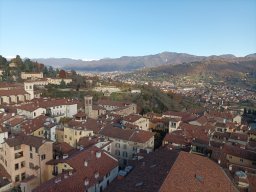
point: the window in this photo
(124, 154)
(5, 162)
(23, 176)
(173, 125)
(118, 145)
(66, 136)
(43, 157)
(31, 165)
(34, 113)
(17, 178)
(18, 147)
(36, 150)
(241, 160)
(117, 152)
(22, 164)
(16, 166)
(31, 155)
(125, 146)
(30, 148)
(18, 155)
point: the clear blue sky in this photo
(93, 29)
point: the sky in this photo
(95, 29)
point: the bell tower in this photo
(88, 105)
(29, 87)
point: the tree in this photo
(45, 72)
(62, 84)
(51, 72)
(28, 66)
(6, 76)
(3, 62)
(18, 61)
(73, 73)
(78, 87)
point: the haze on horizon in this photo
(98, 29)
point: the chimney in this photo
(98, 154)
(65, 156)
(86, 182)
(65, 176)
(57, 180)
(96, 175)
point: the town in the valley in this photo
(52, 140)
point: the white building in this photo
(57, 81)
(31, 110)
(27, 75)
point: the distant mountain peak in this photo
(131, 63)
(251, 55)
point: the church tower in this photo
(29, 87)
(88, 105)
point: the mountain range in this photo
(132, 63)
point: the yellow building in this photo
(73, 134)
(74, 130)
(25, 156)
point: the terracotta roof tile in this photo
(13, 92)
(103, 102)
(88, 124)
(32, 125)
(87, 141)
(139, 136)
(15, 121)
(25, 139)
(148, 173)
(192, 172)
(75, 182)
(239, 136)
(62, 147)
(132, 118)
(239, 152)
